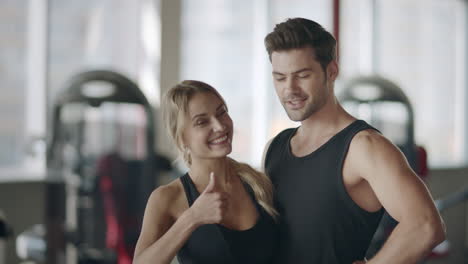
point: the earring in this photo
(187, 157)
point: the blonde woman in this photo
(220, 211)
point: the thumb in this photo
(211, 184)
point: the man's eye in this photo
(279, 79)
(304, 75)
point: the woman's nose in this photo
(218, 125)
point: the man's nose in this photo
(290, 85)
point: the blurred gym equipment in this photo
(443, 204)
(5, 233)
(101, 167)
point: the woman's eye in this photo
(222, 111)
(200, 122)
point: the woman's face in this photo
(208, 128)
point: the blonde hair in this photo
(259, 183)
(175, 110)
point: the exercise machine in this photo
(102, 167)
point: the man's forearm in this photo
(409, 244)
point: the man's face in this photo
(300, 82)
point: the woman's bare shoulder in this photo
(169, 197)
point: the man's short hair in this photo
(298, 33)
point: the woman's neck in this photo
(200, 171)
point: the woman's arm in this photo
(161, 237)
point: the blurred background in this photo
(81, 139)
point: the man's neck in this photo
(330, 119)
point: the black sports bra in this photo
(214, 244)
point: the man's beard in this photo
(318, 101)
(310, 109)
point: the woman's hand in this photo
(211, 206)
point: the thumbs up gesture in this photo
(212, 184)
(211, 206)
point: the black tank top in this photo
(320, 223)
(215, 244)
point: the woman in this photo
(220, 211)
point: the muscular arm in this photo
(161, 237)
(402, 194)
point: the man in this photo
(334, 175)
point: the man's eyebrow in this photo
(295, 72)
(277, 73)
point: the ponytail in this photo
(259, 183)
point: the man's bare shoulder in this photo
(370, 151)
(370, 141)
